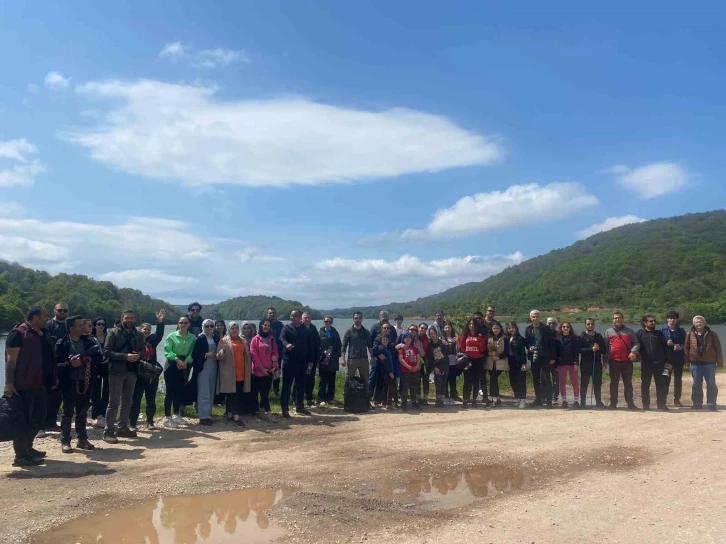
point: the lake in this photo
(344, 323)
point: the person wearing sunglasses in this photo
(99, 393)
(195, 318)
(57, 328)
(331, 347)
(178, 353)
(204, 362)
(653, 363)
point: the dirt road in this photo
(502, 475)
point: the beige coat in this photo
(226, 382)
(499, 347)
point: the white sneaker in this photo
(100, 422)
(323, 404)
(170, 422)
(179, 420)
(41, 434)
(523, 403)
(481, 393)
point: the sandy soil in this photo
(586, 476)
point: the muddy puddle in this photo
(218, 518)
(457, 489)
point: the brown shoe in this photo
(66, 448)
(84, 444)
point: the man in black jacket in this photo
(541, 346)
(592, 347)
(653, 360)
(77, 357)
(145, 387)
(195, 318)
(297, 345)
(123, 349)
(57, 328)
(313, 357)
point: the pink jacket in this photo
(262, 355)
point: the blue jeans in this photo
(701, 371)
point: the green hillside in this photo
(21, 288)
(679, 262)
(255, 307)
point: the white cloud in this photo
(340, 282)
(16, 149)
(16, 167)
(183, 132)
(32, 253)
(254, 254)
(517, 206)
(149, 280)
(55, 81)
(202, 58)
(652, 180)
(609, 224)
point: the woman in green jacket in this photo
(178, 352)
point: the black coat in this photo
(516, 350)
(653, 346)
(546, 349)
(63, 361)
(326, 343)
(568, 350)
(586, 343)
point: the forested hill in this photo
(21, 288)
(255, 307)
(679, 262)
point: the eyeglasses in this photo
(62, 310)
(327, 322)
(195, 310)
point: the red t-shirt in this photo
(410, 355)
(475, 347)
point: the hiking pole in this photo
(594, 355)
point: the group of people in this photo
(80, 364)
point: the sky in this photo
(346, 153)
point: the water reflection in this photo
(455, 489)
(236, 516)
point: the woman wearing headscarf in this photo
(204, 357)
(265, 364)
(235, 369)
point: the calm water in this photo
(342, 324)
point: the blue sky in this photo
(346, 153)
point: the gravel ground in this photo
(541, 476)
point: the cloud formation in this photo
(184, 132)
(653, 180)
(149, 280)
(609, 224)
(55, 81)
(341, 282)
(202, 58)
(517, 206)
(16, 165)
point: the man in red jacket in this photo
(29, 369)
(623, 348)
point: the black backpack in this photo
(356, 396)
(12, 418)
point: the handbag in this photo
(462, 361)
(149, 371)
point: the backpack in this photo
(12, 418)
(356, 396)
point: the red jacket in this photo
(475, 347)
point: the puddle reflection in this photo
(235, 516)
(455, 489)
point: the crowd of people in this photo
(82, 364)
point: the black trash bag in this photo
(356, 396)
(12, 418)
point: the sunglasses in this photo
(195, 310)
(328, 322)
(61, 311)
(208, 326)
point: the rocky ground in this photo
(501, 475)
